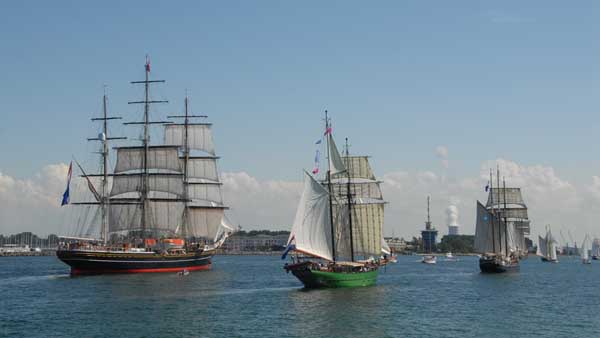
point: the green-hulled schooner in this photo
(337, 234)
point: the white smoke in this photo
(452, 215)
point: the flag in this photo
(316, 169)
(319, 141)
(487, 187)
(328, 131)
(147, 64)
(289, 248)
(65, 199)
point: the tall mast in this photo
(104, 199)
(492, 197)
(349, 197)
(186, 157)
(146, 139)
(505, 222)
(498, 207)
(329, 187)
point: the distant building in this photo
(260, 242)
(429, 235)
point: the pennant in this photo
(66, 198)
(316, 169)
(319, 141)
(487, 187)
(289, 248)
(147, 64)
(328, 131)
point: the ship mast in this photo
(505, 222)
(349, 197)
(146, 140)
(498, 208)
(186, 157)
(104, 199)
(329, 187)
(492, 220)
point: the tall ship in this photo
(160, 209)
(547, 247)
(502, 225)
(337, 235)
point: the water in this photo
(254, 297)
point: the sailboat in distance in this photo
(495, 233)
(161, 208)
(585, 247)
(336, 238)
(547, 247)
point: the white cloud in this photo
(442, 153)
(32, 204)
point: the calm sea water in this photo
(254, 297)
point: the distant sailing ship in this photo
(337, 234)
(596, 249)
(585, 247)
(501, 229)
(161, 209)
(547, 247)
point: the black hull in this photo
(493, 266)
(90, 262)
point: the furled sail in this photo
(159, 157)
(199, 136)
(311, 232)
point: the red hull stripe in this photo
(98, 271)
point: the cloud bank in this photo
(32, 204)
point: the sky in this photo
(437, 92)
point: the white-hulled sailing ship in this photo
(547, 247)
(338, 229)
(501, 229)
(161, 209)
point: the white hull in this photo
(429, 260)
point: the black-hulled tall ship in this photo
(160, 210)
(501, 229)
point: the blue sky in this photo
(486, 79)
(512, 80)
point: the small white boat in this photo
(429, 259)
(184, 272)
(450, 257)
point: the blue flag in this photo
(287, 250)
(65, 198)
(487, 187)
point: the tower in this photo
(429, 234)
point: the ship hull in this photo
(549, 260)
(314, 279)
(90, 262)
(493, 266)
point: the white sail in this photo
(359, 167)
(159, 157)
(202, 168)
(385, 248)
(164, 216)
(206, 192)
(585, 246)
(311, 232)
(205, 221)
(199, 136)
(484, 238)
(366, 190)
(335, 160)
(542, 249)
(172, 184)
(367, 229)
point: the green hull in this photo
(312, 278)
